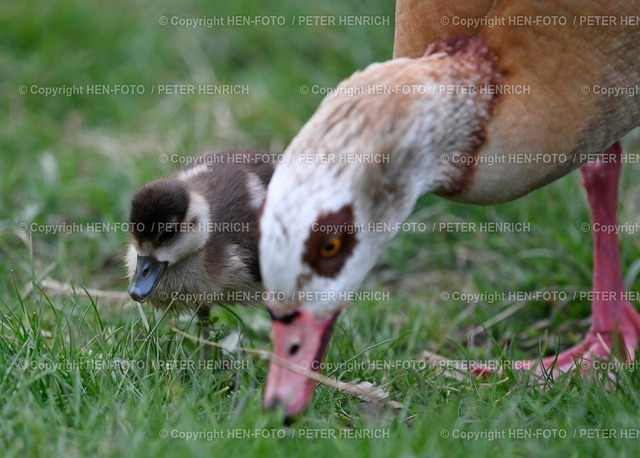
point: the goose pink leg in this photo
(615, 323)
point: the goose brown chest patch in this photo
(475, 65)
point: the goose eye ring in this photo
(327, 249)
(331, 247)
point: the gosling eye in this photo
(331, 247)
(168, 234)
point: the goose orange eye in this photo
(331, 247)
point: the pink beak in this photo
(301, 340)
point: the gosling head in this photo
(168, 223)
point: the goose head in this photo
(168, 223)
(346, 182)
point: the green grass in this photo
(86, 377)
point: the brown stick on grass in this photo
(365, 391)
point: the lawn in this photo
(99, 97)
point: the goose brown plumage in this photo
(433, 120)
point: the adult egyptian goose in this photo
(431, 121)
(193, 235)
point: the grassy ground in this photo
(80, 376)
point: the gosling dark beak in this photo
(148, 272)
